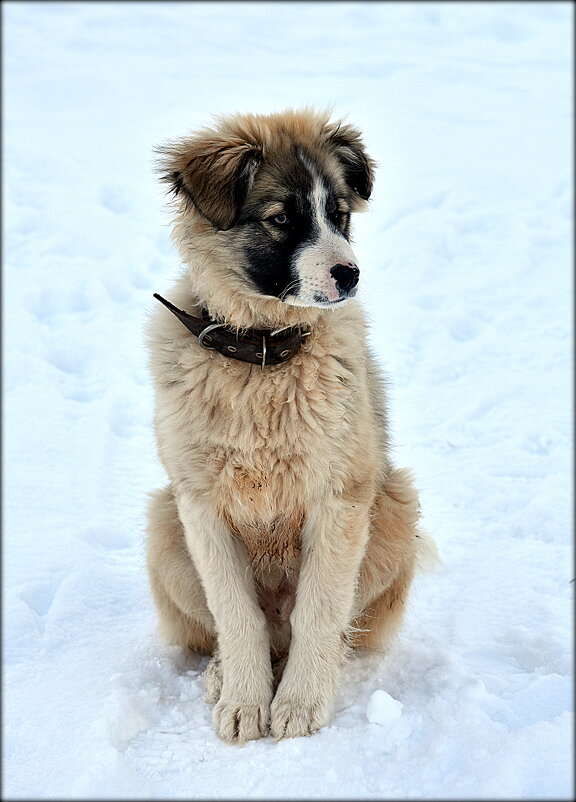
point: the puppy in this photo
(286, 536)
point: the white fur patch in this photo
(312, 267)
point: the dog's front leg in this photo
(333, 543)
(242, 712)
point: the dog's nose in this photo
(346, 277)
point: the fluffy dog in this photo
(286, 536)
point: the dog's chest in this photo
(304, 407)
(260, 444)
(261, 497)
(276, 438)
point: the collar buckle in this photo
(206, 331)
(262, 354)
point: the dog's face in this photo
(281, 189)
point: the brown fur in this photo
(281, 481)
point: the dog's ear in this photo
(358, 166)
(212, 172)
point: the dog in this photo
(286, 538)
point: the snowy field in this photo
(467, 279)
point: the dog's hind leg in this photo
(176, 587)
(391, 557)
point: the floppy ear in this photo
(212, 172)
(358, 166)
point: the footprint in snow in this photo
(39, 596)
(114, 199)
(536, 444)
(429, 301)
(80, 380)
(106, 538)
(431, 202)
(539, 653)
(123, 418)
(70, 359)
(464, 329)
(84, 393)
(46, 304)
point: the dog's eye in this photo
(281, 219)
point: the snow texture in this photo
(466, 278)
(383, 709)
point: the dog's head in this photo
(280, 189)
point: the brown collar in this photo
(259, 346)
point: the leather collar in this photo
(258, 346)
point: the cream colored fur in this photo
(285, 529)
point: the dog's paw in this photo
(293, 719)
(237, 723)
(213, 681)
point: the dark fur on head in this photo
(214, 169)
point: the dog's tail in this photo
(427, 557)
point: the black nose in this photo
(346, 277)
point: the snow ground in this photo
(466, 258)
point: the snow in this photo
(466, 277)
(383, 709)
